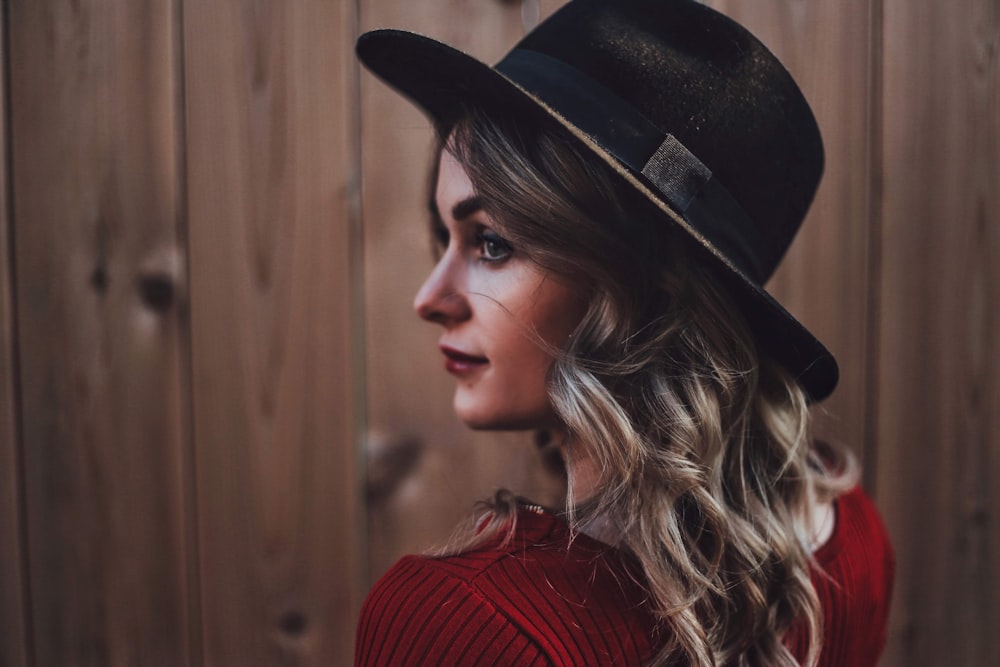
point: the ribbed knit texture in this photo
(854, 587)
(541, 600)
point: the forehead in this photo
(453, 183)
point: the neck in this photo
(584, 474)
(584, 479)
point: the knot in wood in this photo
(293, 623)
(99, 279)
(157, 291)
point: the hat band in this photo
(623, 131)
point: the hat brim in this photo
(439, 79)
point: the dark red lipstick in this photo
(460, 363)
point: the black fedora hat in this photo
(683, 103)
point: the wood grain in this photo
(100, 293)
(14, 645)
(271, 183)
(409, 393)
(939, 398)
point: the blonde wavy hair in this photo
(708, 473)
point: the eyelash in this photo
(442, 237)
(485, 237)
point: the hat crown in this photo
(704, 79)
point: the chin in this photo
(479, 418)
(489, 422)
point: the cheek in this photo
(559, 315)
(513, 394)
(541, 332)
(528, 371)
(521, 354)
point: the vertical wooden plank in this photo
(426, 468)
(271, 187)
(939, 426)
(824, 279)
(14, 648)
(100, 294)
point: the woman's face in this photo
(501, 314)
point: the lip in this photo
(457, 362)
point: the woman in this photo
(607, 202)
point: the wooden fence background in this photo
(219, 419)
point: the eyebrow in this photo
(460, 211)
(466, 207)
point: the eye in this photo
(493, 247)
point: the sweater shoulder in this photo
(424, 611)
(546, 598)
(854, 583)
(859, 533)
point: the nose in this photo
(442, 299)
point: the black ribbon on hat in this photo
(668, 166)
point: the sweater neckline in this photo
(536, 523)
(535, 518)
(827, 551)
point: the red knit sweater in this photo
(540, 600)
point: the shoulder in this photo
(541, 599)
(854, 582)
(424, 611)
(859, 532)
